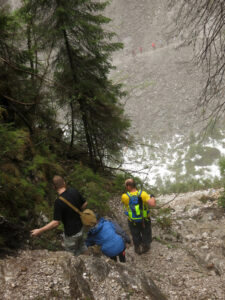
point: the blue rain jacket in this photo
(104, 235)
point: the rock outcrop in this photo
(48, 275)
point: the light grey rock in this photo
(64, 276)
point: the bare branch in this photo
(16, 101)
(203, 24)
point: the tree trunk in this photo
(82, 109)
(72, 124)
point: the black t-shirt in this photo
(62, 212)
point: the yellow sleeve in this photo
(145, 197)
(125, 199)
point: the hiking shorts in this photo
(75, 243)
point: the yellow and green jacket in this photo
(135, 209)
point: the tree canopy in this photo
(55, 58)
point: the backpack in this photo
(135, 211)
(88, 217)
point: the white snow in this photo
(141, 161)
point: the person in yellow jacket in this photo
(137, 203)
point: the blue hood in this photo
(104, 235)
(97, 227)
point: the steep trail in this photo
(188, 260)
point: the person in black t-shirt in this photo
(73, 231)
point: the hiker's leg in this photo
(136, 235)
(75, 243)
(122, 257)
(114, 258)
(146, 236)
(70, 243)
(81, 247)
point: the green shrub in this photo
(189, 185)
(18, 196)
(15, 143)
(92, 186)
(163, 218)
(221, 200)
(45, 167)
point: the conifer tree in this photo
(81, 64)
(21, 92)
(11, 79)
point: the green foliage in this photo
(221, 200)
(50, 240)
(222, 166)
(82, 63)
(44, 166)
(77, 50)
(17, 197)
(163, 218)
(188, 185)
(207, 155)
(92, 186)
(204, 199)
(14, 142)
(23, 175)
(119, 182)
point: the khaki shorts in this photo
(75, 243)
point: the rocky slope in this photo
(46, 275)
(163, 86)
(186, 260)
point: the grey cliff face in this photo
(163, 85)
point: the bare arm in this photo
(84, 205)
(53, 224)
(151, 201)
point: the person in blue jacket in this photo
(110, 237)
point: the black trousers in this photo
(141, 232)
(121, 255)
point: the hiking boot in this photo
(145, 248)
(137, 249)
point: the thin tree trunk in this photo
(83, 112)
(29, 46)
(72, 123)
